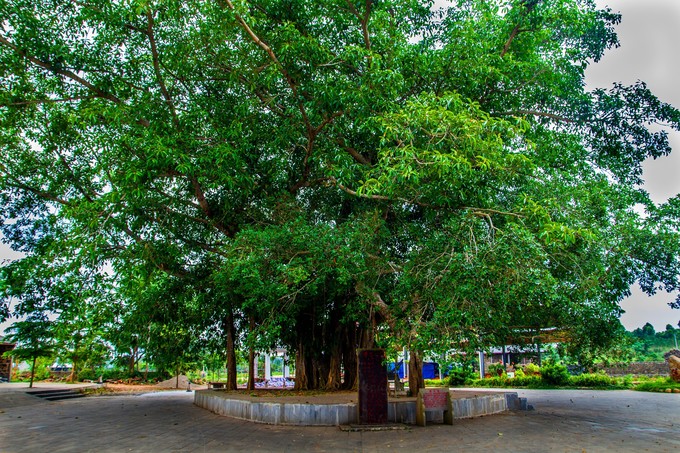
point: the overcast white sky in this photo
(649, 34)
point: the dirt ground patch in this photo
(314, 396)
(133, 389)
(290, 396)
(271, 394)
(130, 388)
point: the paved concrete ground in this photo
(564, 421)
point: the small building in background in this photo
(5, 362)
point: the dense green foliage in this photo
(582, 381)
(196, 176)
(649, 345)
(594, 380)
(643, 344)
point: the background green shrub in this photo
(496, 369)
(591, 380)
(460, 376)
(436, 383)
(525, 381)
(657, 385)
(494, 381)
(531, 369)
(554, 373)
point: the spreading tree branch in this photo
(56, 69)
(537, 113)
(157, 68)
(45, 101)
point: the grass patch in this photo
(598, 381)
(531, 382)
(436, 383)
(663, 385)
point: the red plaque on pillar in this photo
(372, 387)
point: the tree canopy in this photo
(330, 174)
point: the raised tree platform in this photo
(340, 408)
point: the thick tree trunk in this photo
(398, 384)
(131, 363)
(231, 352)
(30, 385)
(134, 360)
(366, 338)
(301, 378)
(305, 378)
(349, 358)
(319, 369)
(251, 369)
(333, 376)
(251, 357)
(415, 373)
(74, 371)
(333, 381)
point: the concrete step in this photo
(56, 394)
(64, 396)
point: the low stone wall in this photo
(277, 413)
(346, 414)
(636, 368)
(480, 405)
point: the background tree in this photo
(33, 338)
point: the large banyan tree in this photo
(328, 175)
